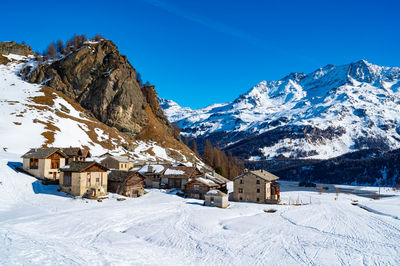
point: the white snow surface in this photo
(360, 97)
(41, 226)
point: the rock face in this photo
(102, 81)
(7, 48)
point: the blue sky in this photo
(203, 52)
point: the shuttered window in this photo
(33, 163)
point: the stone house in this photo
(216, 198)
(152, 174)
(178, 176)
(198, 187)
(123, 163)
(256, 186)
(84, 178)
(126, 183)
(44, 163)
(76, 154)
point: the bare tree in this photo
(67, 48)
(98, 37)
(139, 79)
(60, 46)
(51, 50)
(194, 147)
(76, 41)
(177, 131)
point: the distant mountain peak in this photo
(328, 112)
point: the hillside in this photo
(105, 111)
(332, 111)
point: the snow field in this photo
(40, 226)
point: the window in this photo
(240, 198)
(240, 190)
(67, 179)
(241, 181)
(258, 181)
(55, 163)
(196, 187)
(97, 180)
(258, 190)
(33, 163)
(258, 199)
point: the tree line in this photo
(224, 164)
(60, 48)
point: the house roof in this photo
(179, 171)
(75, 151)
(215, 192)
(42, 153)
(121, 159)
(219, 179)
(77, 166)
(265, 175)
(121, 176)
(157, 168)
(207, 182)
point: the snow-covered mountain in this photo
(323, 114)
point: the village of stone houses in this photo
(96, 169)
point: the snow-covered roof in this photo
(216, 192)
(207, 182)
(173, 172)
(157, 168)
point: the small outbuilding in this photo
(129, 184)
(216, 198)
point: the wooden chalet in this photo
(76, 154)
(200, 185)
(129, 184)
(44, 163)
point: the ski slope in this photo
(40, 226)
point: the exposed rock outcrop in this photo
(103, 82)
(7, 48)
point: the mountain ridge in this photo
(326, 113)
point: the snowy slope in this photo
(40, 226)
(34, 116)
(329, 112)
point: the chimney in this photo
(213, 172)
(150, 168)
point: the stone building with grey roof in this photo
(256, 186)
(84, 179)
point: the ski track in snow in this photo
(49, 227)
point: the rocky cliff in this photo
(102, 81)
